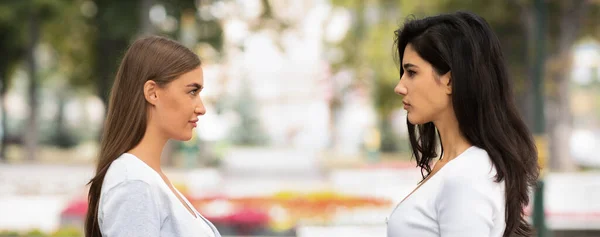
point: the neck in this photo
(150, 148)
(453, 142)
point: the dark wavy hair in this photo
(483, 102)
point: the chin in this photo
(416, 120)
(183, 137)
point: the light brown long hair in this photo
(150, 58)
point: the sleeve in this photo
(466, 208)
(130, 209)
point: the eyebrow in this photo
(198, 86)
(408, 65)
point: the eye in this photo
(193, 92)
(411, 73)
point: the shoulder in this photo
(131, 208)
(474, 163)
(470, 201)
(128, 169)
(472, 176)
(130, 184)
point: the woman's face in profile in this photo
(426, 95)
(179, 105)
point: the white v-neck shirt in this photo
(460, 200)
(135, 201)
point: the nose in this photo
(200, 109)
(400, 89)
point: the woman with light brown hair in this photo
(155, 97)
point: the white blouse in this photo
(135, 201)
(460, 200)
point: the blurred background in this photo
(304, 135)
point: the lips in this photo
(406, 105)
(194, 122)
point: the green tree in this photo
(13, 51)
(69, 34)
(23, 21)
(114, 25)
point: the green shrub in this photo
(68, 232)
(6, 233)
(35, 233)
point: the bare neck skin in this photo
(150, 148)
(453, 142)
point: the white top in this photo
(460, 200)
(135, 201)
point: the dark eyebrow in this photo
(198, 86)
(408, 65)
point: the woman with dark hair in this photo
(456, 91)
(155, 97)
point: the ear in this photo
(446, 80)
(150, 92)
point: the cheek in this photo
(428, 100)
(429, 91)
(175, 115)
(169, 104)
(171, 110)
(437, 99)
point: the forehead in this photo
(411, 56)
(193, 76)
